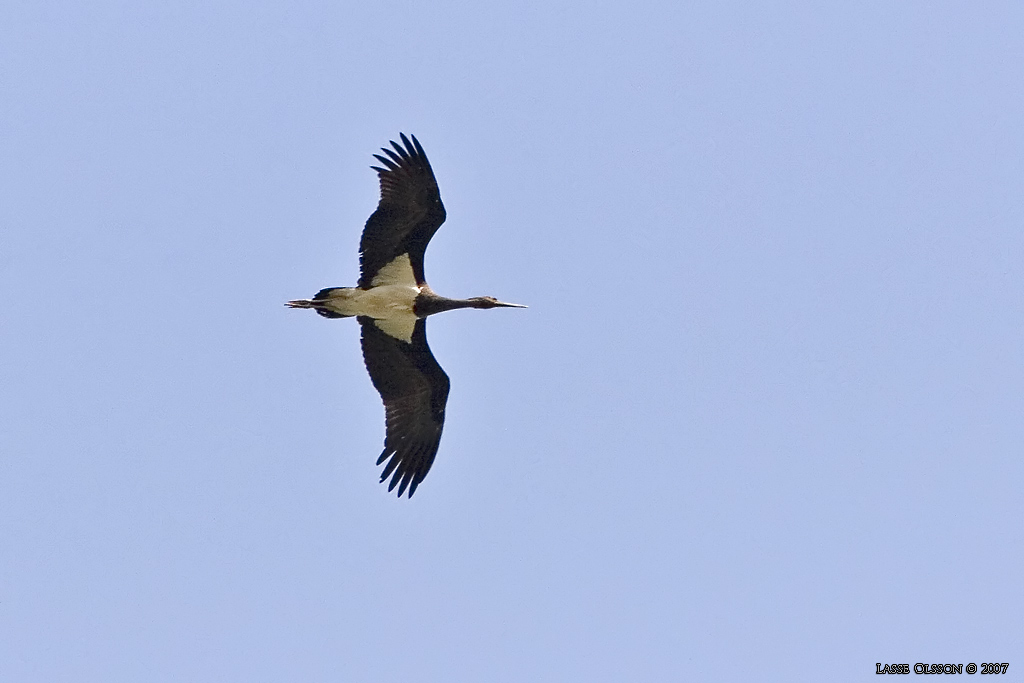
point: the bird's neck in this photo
(430, 303)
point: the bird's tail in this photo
(318, 303)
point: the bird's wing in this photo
(409, 213)
(414, 389)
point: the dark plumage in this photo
(414, 389)
(391, 304)
(409, 213)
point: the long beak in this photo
(502, 304)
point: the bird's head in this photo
(491, 302)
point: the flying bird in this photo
(391, 303)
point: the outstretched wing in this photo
(409, 213)
(414, 389)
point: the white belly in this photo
(388, 301)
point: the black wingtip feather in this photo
(412, 149)
(405, 483)
(391, 466)
(387, 162)
(417, 146)
(402, 151)
(405, 472)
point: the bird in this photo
(391, 303)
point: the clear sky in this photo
(763, 419)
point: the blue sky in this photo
(762, 420)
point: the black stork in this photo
(391, 304)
